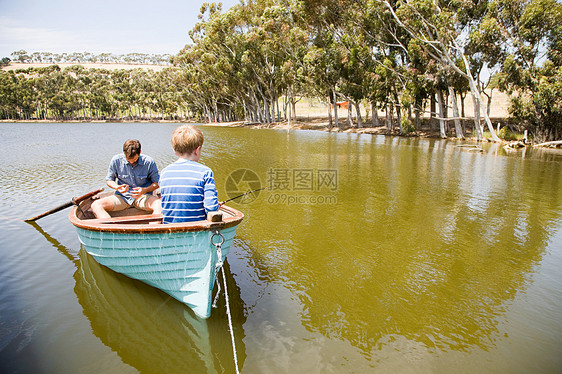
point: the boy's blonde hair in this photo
(186, 139)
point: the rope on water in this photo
(218, 266)
(230, 323)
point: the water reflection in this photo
(148, 329)
(426, 242)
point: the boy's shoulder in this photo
(188, 165)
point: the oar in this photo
(74, 201)
(244, 194)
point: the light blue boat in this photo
(180, 259)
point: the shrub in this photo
(505, 134)
(407, 126)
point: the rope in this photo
(218, 266)
(230, 323)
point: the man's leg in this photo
(155, 203)
(101, 207)
(149, 203)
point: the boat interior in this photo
(134, 216)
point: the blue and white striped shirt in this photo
(188, 191)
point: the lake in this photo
(365, 254)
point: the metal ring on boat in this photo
(217, 233)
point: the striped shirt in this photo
(188, 191)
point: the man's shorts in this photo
(120, 204)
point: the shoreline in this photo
(315, 125)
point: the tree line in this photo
(77, 93)
(407, 59)
(89, 58)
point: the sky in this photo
(97, 26)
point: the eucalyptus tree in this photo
(163, 94)
(101, 99)
(527, 37)
(8, 90)
(420, 80)
(287, 36)
(141, 89)
(76, 89)
(122, 90)
(434, 25)
(323, 63)
(355, 66)
(327, 20)
(61, 102)
(392, 71)
(210, 63)
(271, 53)
(43, 87)
(21, 56)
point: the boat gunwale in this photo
(120, 225)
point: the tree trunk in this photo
(349, 112)
(432, 110)
(458, 127)
(335, 108)
(478, 98)
(294, 108)
(359, 118)
(388, 117)
(417, 111)
(330, 123)
(477, 125)
(441, 104)
(288, 115)
(266, 110)
(399, 116)
(375, 119)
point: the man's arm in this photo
(153, 177)
(112, 176)
(119, 187)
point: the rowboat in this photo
(180, 259)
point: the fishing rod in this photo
(244, 194)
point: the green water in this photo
(366, 254)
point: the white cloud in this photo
(15, 36)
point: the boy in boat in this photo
(187, 187)
(133, 176)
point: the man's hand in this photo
(123, 188)
(137, 192)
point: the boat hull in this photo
(182, 264)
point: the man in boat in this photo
(187, 187)
(133, 176)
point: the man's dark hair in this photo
(131, 148)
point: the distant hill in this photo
(108, 66)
